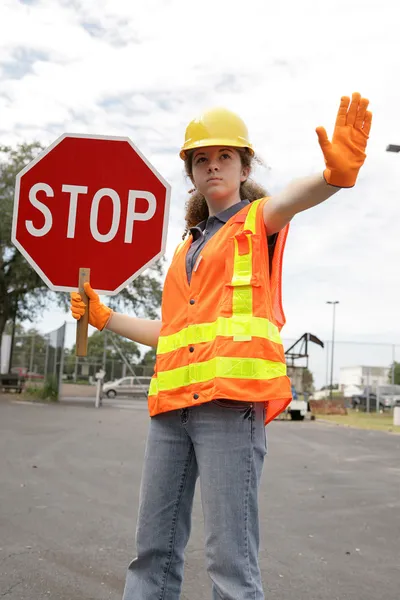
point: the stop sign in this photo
(90, 201)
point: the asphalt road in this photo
(69, 485)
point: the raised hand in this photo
(345, 155)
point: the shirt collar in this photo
(226, 214)
(222, 216)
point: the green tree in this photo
(396, 373)
(96, 347)
(143, 296)
(149, 358)
(148, 361)
(95, 353)
(29, 349)
(308, 381)
(23, 295)
(22, 292)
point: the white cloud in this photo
(144, 69)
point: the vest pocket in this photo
(242, 265)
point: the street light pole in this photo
(392, 148)
(334, 302)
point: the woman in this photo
(220, 374)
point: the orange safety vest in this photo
(220, 335)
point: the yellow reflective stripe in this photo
(250, 223)
(231, 368)
(223, 326)
(242, 297)
(179, 247)
(242, 264)
(242, 308)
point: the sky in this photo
(145, 69)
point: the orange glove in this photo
(99, 313)
(345, 155)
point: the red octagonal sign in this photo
(90, 201)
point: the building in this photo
(362, 376)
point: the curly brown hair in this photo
(196, 206)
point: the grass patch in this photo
(361, 420)
(46, 390)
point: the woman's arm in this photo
(142, 331)
(299, 195)
(344, 157)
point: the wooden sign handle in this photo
(82, 324)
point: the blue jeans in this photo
(223, 443)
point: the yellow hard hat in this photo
(216, 127)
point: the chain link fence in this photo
(45, 362)
(356, 364)
(83, 370)
(40, 361)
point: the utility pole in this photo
(393, 148)
(333, 302)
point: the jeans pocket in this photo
(233, 404)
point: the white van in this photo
(127, 386)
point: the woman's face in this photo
(218, 172)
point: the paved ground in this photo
(330, 507)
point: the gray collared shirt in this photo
(206, 229)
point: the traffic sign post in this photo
(90, 207)
(83, 323)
